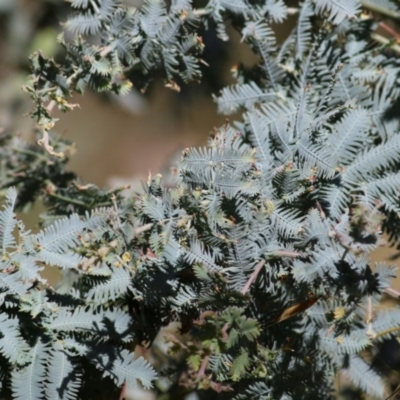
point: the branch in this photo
(370, 330)
(286, 253)
(203, 367)
(380, 39)
(387, 331)
(390, 30)
(253, 276)
(67, 199)
(395, 392)
(393, 293)
(148, 226)
(143, 228)
(44, 142)
(373, 6)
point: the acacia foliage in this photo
(260, 251)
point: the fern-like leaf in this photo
(8, 222)
(338, 9)
(365, 377)
(126, 368)
(27, 383)
(63, 380)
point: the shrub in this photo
(261, 250)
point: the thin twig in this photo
(203, 367)
(122, 395)
(224, 331)
(344, 255)
(45, 142)
(68, 199)
(114, 201)
(94, 5)
(203, 316)
(50, 106)
(390, 30)
(321, 210)
(393, 292)
(46, 90)
(380, 39)
(73, 76)
(253, 276)
(292, 10)
(143, 228)
(374, 6)
(106, 50)
(201, 12)
(172, 338)
(30, 153)
(245, 289)
(148, 226)
(286, 253)
(370, 330)
(123, 262)
(387, 331)
(397, 390)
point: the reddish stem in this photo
(122, 396)
(390, 30)
(286, 253)
(253, 276)
(203, 367)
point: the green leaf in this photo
(239, 365)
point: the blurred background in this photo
(138, 132)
